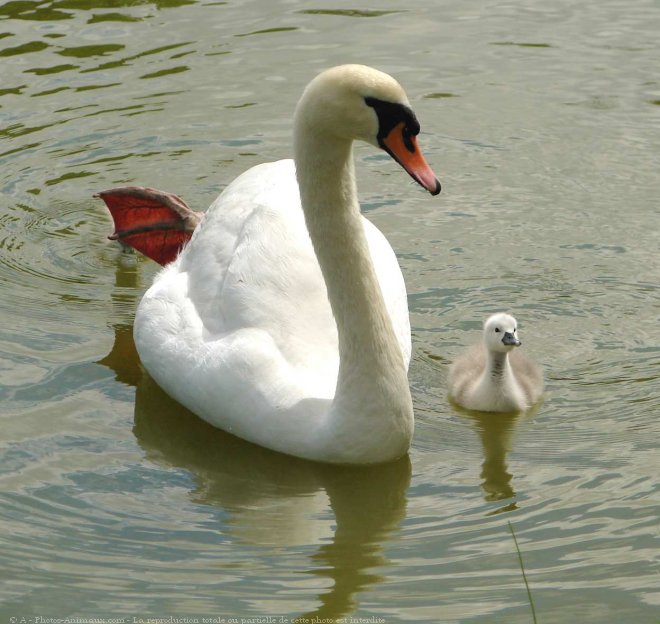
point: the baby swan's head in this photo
(501, 333)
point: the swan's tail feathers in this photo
(155, 223)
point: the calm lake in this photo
(542, 120)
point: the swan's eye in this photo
(497, 330)
(407, 139)
(392, 114)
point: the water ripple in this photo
(117, 500)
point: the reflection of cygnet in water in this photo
(491, 376)
(496, 436)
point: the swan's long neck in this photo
(372, 392)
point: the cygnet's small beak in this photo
(510, 340)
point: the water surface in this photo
(542, 120)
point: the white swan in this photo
(491, 377)
(284, 320)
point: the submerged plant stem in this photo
(522, 569)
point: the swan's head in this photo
(501, 333)
(355, 102)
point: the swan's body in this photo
(284, 320)
(491, 376)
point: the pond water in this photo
(542, 120)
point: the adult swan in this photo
(284, 319)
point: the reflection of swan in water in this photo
(278, 500)
(123, 358)
(273, 498)
(497, 437)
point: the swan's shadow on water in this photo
(270, 498)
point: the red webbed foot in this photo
(155, 223)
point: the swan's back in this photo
(244, 309)
(251, 265)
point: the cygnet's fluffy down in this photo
(493, 376)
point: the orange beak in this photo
(401, 145)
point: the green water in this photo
(542, 120)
